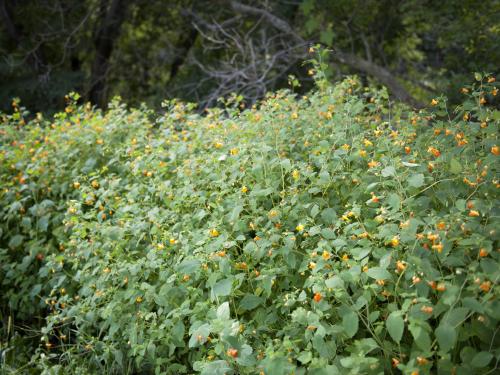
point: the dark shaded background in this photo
(199, 50)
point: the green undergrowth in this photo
(331, 234)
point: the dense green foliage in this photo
(187, 48)
(334, 233)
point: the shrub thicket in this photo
(334, 233)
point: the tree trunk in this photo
(112, 17)
(380, 73)
(185, 43)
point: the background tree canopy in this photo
(200, 50)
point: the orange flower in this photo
(473, 213)
(422, 361)
(241, 266)
(232, 352)
(373, 164)
(427, 309)
(434, 102)
(441, 225)
(400, 266)
(495, 150)
(434, 151)
(317, 297)
(483, 253)
(441, 287)
(485, 286)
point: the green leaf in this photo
(328, 215)
(326, 37)
(276, 365)
(250, 302)
(388, 171)
(305, 357)
(350, 322)
(15, 241)
(328, 233)
(334, 282)
(219, 367)
(446, 336)
(379, 273)
(481, 359)
(395, 325)
(416, 180)
(222, 288)
(189, 266)
(235, 213)
(455, 166)
(223, 312)
(43, 223)
(422, 338)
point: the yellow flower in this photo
(173, 241)
(295, 174)
(218, 144)
(214, 232)
(244, 189)
(434, 102)
(326, 255)
(299, 228)
(295, 115)
(367, 143)
(345, 147)
(438, 247)
(345, 257)
(312, 265)
(234, 151)
(373, 164)
(394, 241)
